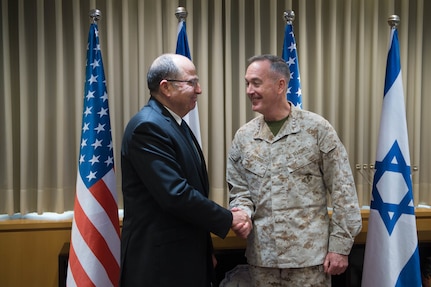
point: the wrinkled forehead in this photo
(257, 70)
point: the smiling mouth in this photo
(254, 99)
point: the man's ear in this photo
(165, 87)
(282, 85)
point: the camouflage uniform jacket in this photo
(283, 181)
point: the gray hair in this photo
(163, 67)
(277, 64)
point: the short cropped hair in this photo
(162, 68)
(277, 64)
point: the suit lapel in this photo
(194, 152)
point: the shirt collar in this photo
(177, 118)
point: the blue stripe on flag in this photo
(182, 42)
(393, 65)
(192, 118)
(410, 275)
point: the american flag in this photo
(192, 118)
(94, 256)
(391, 250)
(289, 54)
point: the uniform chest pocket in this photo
(255, 165)
(302, 160)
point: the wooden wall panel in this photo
(29, 256)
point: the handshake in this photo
(241, 223)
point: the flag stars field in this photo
(91, 176)
(104, 97)
(103, 112)
(289, 54)
(90, 95)
(100, 128)
(87, 111)
(97, 143)
(95, 64)
(290, 62)
(109, 161)
(93, 79)
(85, 127)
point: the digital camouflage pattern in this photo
(313, 276)
(283, 182)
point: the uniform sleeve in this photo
(239, 195)
(346, 221)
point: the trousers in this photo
(290, 277)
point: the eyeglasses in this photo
(192, 82)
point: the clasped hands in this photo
(241, 223)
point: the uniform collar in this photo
(290, 126)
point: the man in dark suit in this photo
(168, 217)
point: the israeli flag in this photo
(192, 118)
(391, 251)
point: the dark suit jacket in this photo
(168, 217)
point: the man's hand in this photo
(241, 223)
(335, 263)
(214, 260)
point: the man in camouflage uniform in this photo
(281, 167)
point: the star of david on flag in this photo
(94, 256)
(391, 250)
(289, 54)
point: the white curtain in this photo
(342, 47)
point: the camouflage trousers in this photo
(289, 277)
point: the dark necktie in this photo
(187, 132)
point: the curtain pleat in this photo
(214, 105)
(342, 48)
(228, 92)
(26, 156)
(46, 145)
(7, 204)
(415, 67)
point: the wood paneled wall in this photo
(29, 252)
